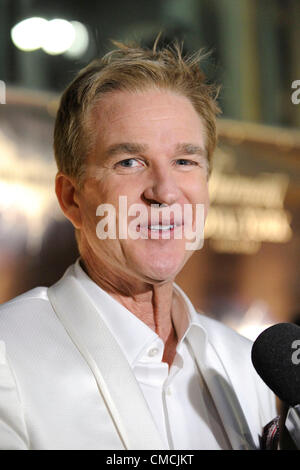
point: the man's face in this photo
(148, 148)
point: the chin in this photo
(162, 268)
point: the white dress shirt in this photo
(178, 399)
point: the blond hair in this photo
(128, 68)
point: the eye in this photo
(185, 162)
(128, 163)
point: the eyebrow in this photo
(137, 149)
(125, 147)
(189, 149)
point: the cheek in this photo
(198, 194)
(198, 191)
(99, 191)
(90, 220)
(206, 200)
(110, 189)
(89, 202)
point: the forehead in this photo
(144, 114)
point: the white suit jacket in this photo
(66, 384)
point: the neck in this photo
(153, 304)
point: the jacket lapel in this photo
(117, 384)
(222, 377)
(223, 394)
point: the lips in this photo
(163, 223)
(161, 231)
(161, 227)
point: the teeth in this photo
(161, 227)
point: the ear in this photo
(66, 192)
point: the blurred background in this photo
(247, 275)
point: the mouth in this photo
(164, 224)
(162, 228)
(160, 231)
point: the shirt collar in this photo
(132, 334)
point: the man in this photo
(114, 355)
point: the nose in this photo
(162, 188)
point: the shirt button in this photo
(169, 391)
(153, 352)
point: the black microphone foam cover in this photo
(274, 356)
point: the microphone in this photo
(276, 358)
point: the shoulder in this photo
(37, 297)
(31, 297)
(24, 315)
(36, 293)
